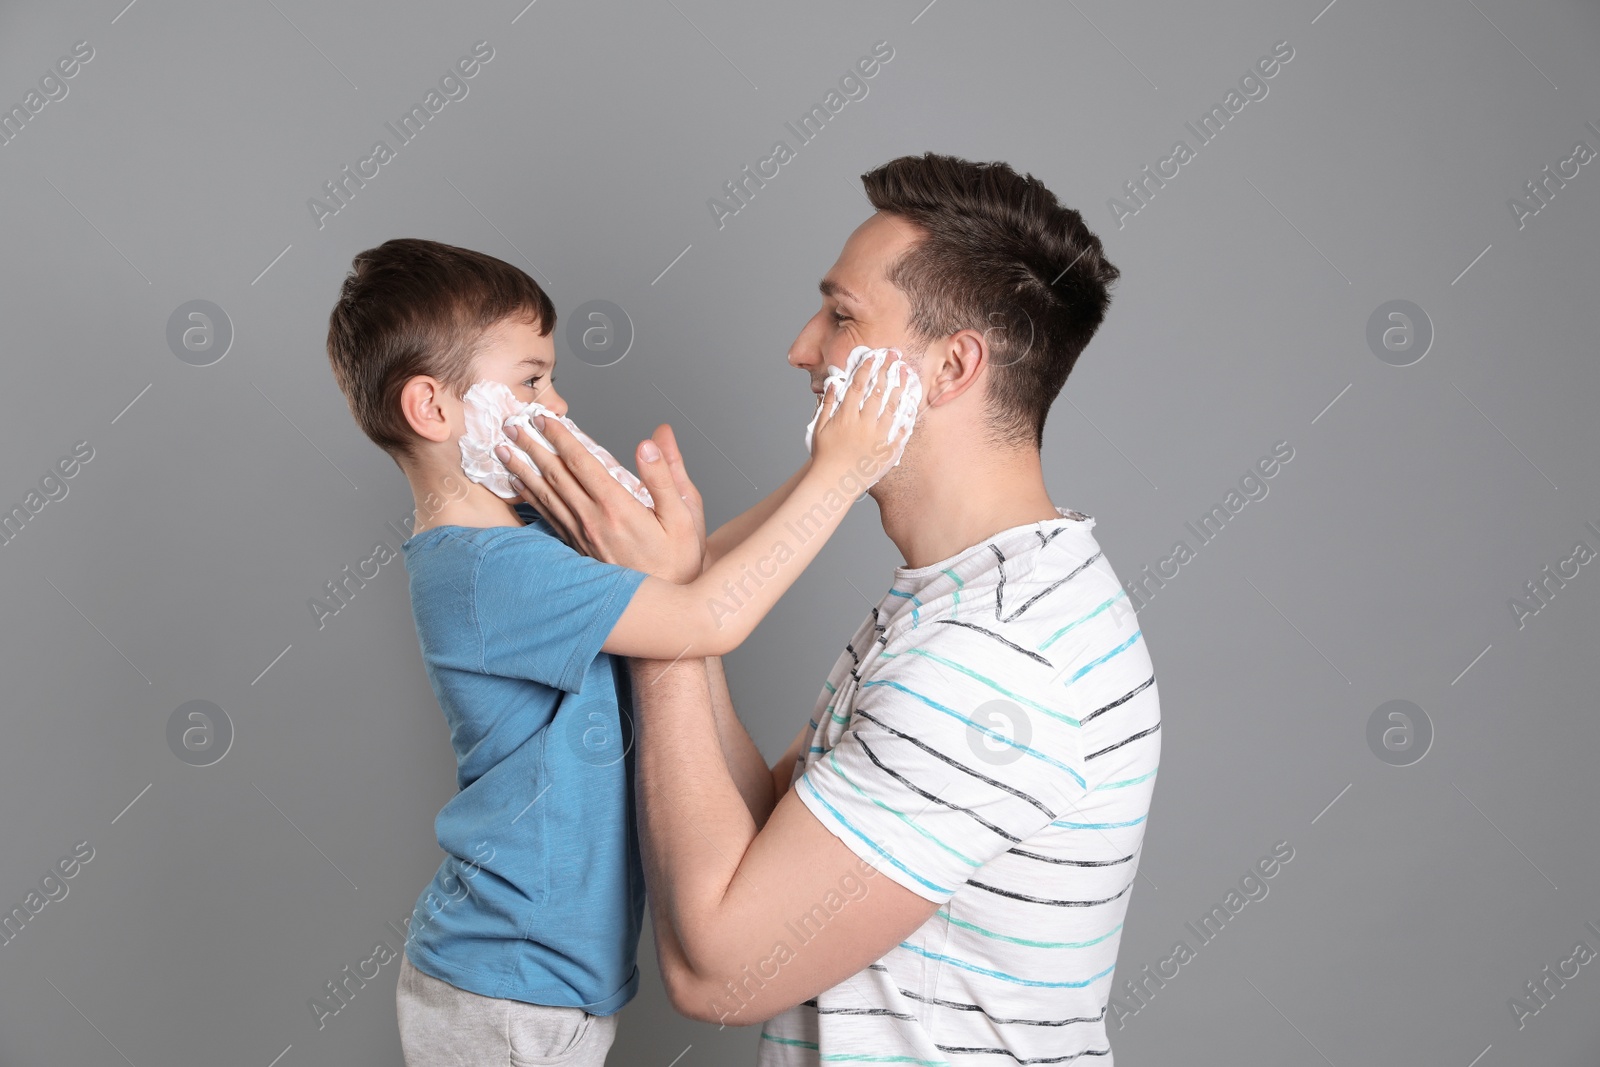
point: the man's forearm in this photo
(724, 892)
(694, 825)
(736, 750)
(746, 765)
(741, 758)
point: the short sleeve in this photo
(543, 610)
(939, 771)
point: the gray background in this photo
(1420, 499)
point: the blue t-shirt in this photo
(540, 896)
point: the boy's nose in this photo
(552, 400)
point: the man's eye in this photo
(840, 317)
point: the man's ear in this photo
(958, 361)
(422, 402)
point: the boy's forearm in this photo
(746, 765)
(735, 592)
(713, 614)
(740, 526)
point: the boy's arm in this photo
(740, 527)
(713, 613)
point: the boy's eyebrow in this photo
(534, 361)
(829, 287)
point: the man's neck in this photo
(959, 499)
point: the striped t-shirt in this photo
(989, 740)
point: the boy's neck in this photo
(448, 498)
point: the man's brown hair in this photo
(1000, 256)
(411, 307)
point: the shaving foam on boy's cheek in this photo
(487, 407)
(910, 398)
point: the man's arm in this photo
(783, 770)
(759, 784)
(749, 771)
(751, 919)
(736, 754)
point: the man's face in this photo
(860, 306)
(514, 355)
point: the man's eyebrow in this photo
(829, 287)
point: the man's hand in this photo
(595, 515)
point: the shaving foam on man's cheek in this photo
(873, 359)
(488, 406)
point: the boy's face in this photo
(514, 355)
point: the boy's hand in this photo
(595, 515)
(854, 439)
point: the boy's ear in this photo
(422, 402)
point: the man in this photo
(941, 869)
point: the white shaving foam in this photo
(905, 417)
(488, 406)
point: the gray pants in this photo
(442, 1026)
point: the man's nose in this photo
(796, 354)
(806, 352)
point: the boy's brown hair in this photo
(410, 307)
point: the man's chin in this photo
(884, 487)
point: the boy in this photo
(522, 947)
